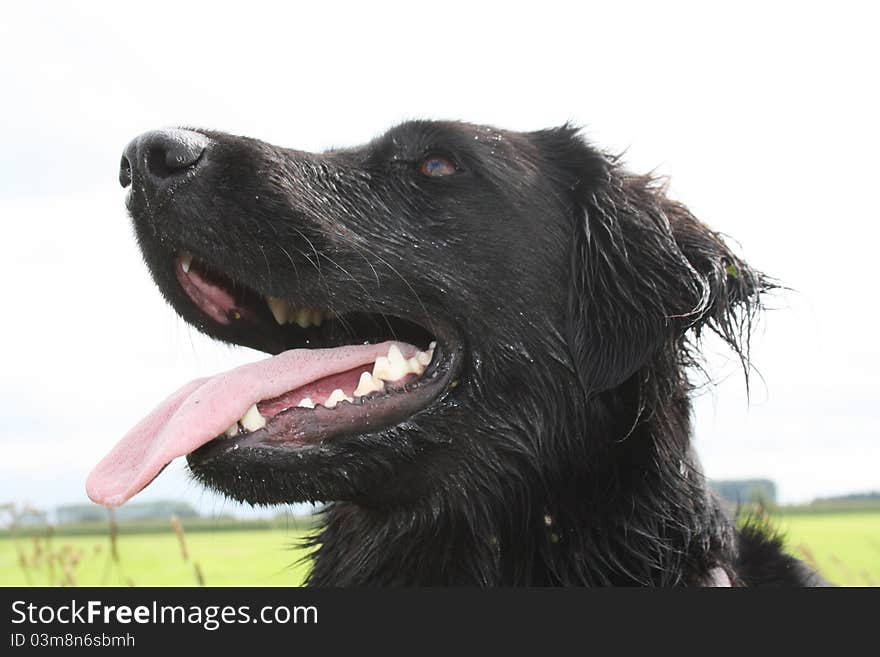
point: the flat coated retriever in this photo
(481, 344)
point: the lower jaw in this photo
(317, 459)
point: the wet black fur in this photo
(579, 291)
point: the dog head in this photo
(445, 304)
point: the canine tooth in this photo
(232, 431)
(382, 368)
(252, 420)
(278, 308)
(399, 366)
(306, 402)
(335, 397)
(367, 384)
(185, 261)
(432, 346)
(424, 357)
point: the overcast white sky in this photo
(765, 116)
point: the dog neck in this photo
(639, 524)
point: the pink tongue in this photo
(205, 408)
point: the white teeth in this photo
(399, 367)
(395, 355)
(395, 366)
(185, 261)
(252, 420)
(386, 368)
(382, 368)
(367, 384)
(278, 308)
(335, 397)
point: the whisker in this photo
(350, 242)
(269, 268)
(292, 262)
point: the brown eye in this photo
(437, 165)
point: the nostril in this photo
(125, 172)
(169, 152)
(156, 162)
(184, 150)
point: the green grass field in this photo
(263, 557)
(844, 546)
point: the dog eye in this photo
(436, 166)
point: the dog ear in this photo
(644, 272)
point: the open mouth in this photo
(335, 374)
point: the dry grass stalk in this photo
(177, 526)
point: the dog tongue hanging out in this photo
(248, 400)
(479, 346)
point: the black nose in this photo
(161, 154)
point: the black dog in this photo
(531, 425)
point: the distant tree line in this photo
(871, 496)
(134, 512)
(746, 491)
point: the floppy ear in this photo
(644, 271)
